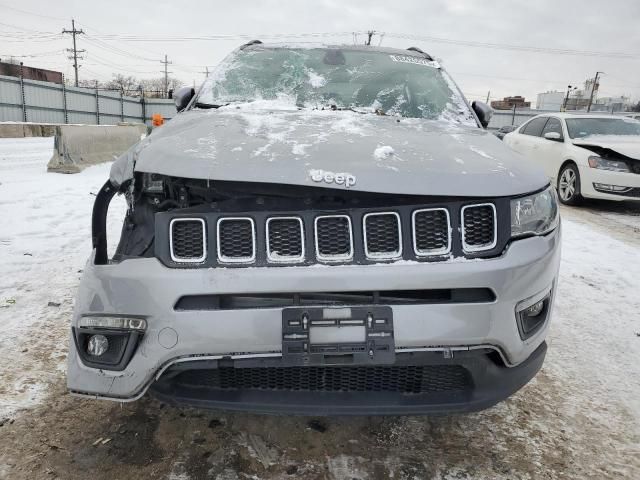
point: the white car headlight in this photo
(535, 214)
(611, 165)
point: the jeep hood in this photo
(384, 154)
(627, 145)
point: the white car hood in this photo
(627, 145)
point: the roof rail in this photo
(252, 42)
(416, 49)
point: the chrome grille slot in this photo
(382, 235)
(285, 239)
(334, 238)
(236, 240)
(187, 240)
(431, 231)
(479, 227)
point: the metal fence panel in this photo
(43, 94)
(81, 101)
(10, 91)
(10, 114)
(165, 108)
(110, 106)
(504, 118)
(84, 118)
(37, 115)
(132, 108)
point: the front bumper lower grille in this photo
(417, 383)
(388, 378)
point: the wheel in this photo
(569, 185)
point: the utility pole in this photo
(488, 94)
(593, 89)
(166, 75)
(75, 50)
(370, 35)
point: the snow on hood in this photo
(627, 145)
(384, 154)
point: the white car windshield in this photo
(584, 127)
(363, 80)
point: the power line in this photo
(525, 48)
(30, 13)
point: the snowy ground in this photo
(580, 417)
(44, 241)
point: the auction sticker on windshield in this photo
(416, 60)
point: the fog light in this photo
(98, 345)
(534, 310)
(605, 187)
(531, 317)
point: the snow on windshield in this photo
(351, 79)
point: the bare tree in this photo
(126, 84)
(154, 87)
(84, 83)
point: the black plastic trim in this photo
(124, 356)
(211, 214)
(99, 222)
(492, 383)
(248, 300)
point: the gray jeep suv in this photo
(322, 230)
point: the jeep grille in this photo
(382, 235)
(479, 227)
(188, 240)
(358, 235)
(334, 238)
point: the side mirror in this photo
(555, 136)
(483, 111)
(182, 97)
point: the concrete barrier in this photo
(79, 146)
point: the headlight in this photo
(611, 165)
(534, 215)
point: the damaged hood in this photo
(627, 145)
(322, 148)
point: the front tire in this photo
(569, 185)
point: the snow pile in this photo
(316, 80)
(383, 152)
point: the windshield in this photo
(372, 81)
(584, 127)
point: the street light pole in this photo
(593, 89)
(566, 98)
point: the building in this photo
(507, 103)
(551, 100)
(615, 104)
(30, 73)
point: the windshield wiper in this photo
(209, 105)
(362, 111)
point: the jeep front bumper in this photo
(481, 338)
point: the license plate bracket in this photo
(359, 335)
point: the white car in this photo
(593, 156)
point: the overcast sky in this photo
(610, 27)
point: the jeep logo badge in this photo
(342, 178)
